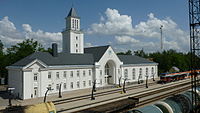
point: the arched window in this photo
(107, 69)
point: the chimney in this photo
(54, 50)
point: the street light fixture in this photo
(93, 90)
(48, 88)
(60, 96)
(153, 77)
(146, 81)
(124, 89)
(139, 79)
(120, 81)
(10, 90)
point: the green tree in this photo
(17, 52)
(1, 47)
(140, 53)
(129, 52)
(23, 49)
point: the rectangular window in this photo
(49, 75)
(57, 75)
(100, 72)
(35, 77)
(100, 81)
(147, 71)
(126, 73)
(57, 87)
(90, 83)
(76, 45)
(71, 73)
(133, 74)
(65, 74)
(89, 72)
(78, 73)
(65, 86)
(84, 83)
(84, 73)
(152, 71)
(78, 84)
(140, 73)
(71, 85)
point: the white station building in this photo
(75, 67)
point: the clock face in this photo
(110, 52)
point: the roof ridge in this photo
(97, 46)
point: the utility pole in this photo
(161, 38)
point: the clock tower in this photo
(72, 35)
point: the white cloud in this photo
(113, 23)
(125, 39)
(27, 27)
(88, 45)
(9, 34)
(146, 33)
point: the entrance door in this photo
(109, 72)
(35, 92)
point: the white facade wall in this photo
(42, 82)
(17, 78)
(108, 57)
(137, 72)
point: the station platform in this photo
(76, 93)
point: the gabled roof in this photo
(97, 52)
(72, 13)
(61, 59)
(132, 59)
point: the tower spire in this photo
(72, 13)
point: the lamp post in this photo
(93, 90)
(124, 90)
(146, 81)
(139, 79)
(120, 81)
(10, 90)
(153, 76)
(60, 96)
(48, 88)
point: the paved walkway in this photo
(65, 95)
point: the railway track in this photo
(57, 102)
(150, 92)
(99, 109)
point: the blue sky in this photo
(138, 28)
